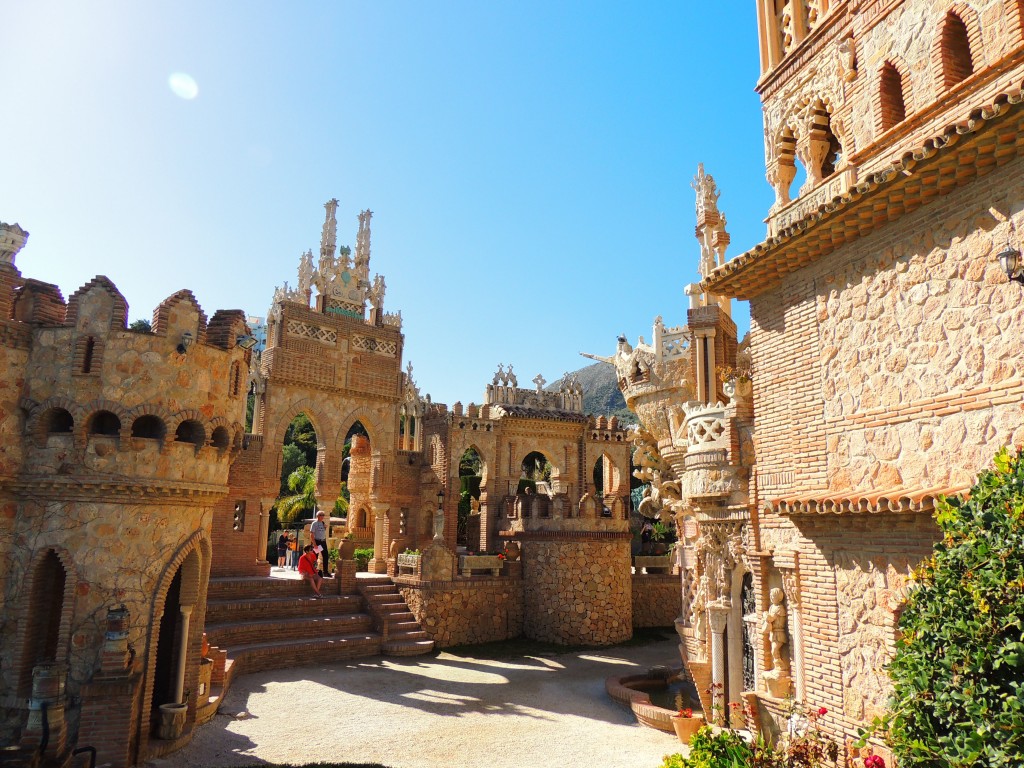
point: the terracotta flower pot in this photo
(685, 727)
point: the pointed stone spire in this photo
(329, 235)
(362, 260)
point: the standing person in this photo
(293, 551)
(318, 538)
(282, 549)
(307, 569)
(646, 532)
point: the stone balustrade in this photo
(470, 563)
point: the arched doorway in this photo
(45, 612)
(471, 471)
(168, 639)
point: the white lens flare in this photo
(183, 86)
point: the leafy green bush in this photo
(958, 671)
(724, 749)
(362, 557)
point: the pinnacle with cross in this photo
(539, 381)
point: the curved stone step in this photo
(255, 657)
(407, 647)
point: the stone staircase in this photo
(266, 623)
(401, 634)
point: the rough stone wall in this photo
(577, 591)
(901, 354)
(655, 600)
(893, 365)
(468, 612)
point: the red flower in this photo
(822, 711)
(685, 712)
(874, 761)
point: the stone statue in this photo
(439, 525)
(700, 605)
(474, 505)
(773, 627)
(377, 291)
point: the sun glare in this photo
(183, 85)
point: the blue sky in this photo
(528, 163)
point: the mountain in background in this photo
(601, 395)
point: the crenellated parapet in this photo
(162, 411)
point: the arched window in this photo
(104, 423)
(151, 427)
(90, 349)
(58, 421)
(42, 636)
(955, 51)
(892, 103)
(221, 438)
(190, 431)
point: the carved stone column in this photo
(179, 676)
(718, 616)
(379, 562)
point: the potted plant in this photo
(659, 533)
(686, 724)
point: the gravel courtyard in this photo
(442, 711)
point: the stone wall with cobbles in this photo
(577, 590)
(469, 611)
(656, 600)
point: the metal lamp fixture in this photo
(187, 340)
(1013, 266)
(440, 498)
(246, 342)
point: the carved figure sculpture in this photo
(439, 526)
(700, 605)
(648, 507)
(773, 627)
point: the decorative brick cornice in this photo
(892, 501)
(114, 490)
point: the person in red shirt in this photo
(307, 569)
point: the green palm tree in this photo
(302, 502)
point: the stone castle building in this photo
(885, 350)
(883, 368)
(137, 507)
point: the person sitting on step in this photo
(307, 569)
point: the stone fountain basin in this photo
(634, 692)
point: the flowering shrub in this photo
(958, 696)
(806, 747)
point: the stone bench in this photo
(470, 563)
(652, 563)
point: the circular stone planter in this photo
(172, 721)
(631, 690)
